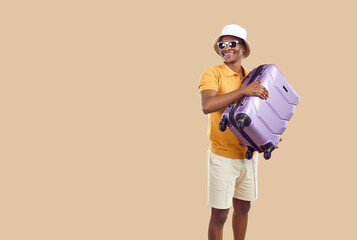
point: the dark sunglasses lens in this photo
(221, 45)
(232, 44)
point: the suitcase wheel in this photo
(242, 120)
(223, 124)
(267, 155)
(267, 152)
(249, 153)
(240, 124)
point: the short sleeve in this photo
(209, 79)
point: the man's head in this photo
(231, 48)
(232, 32)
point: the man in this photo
(232, 177)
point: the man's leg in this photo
(216, 223)
(240, 218)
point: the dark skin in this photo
(239, 220)
(212, 102)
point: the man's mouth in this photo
(227, 55)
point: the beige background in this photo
(102, 135)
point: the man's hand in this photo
(255, 89)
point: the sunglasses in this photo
(231, 44)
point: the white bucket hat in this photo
(236, 31)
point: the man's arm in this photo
(212, 102)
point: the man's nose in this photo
(226, 47)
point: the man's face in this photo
(230, 55)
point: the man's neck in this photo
(236, 67)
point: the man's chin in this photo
(230, 61)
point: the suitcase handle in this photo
(260, 70)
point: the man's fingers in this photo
(260, 90)
(264, 96)
(265, 93)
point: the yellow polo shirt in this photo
(223, 80)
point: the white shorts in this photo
(228, 178)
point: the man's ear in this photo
(244, 48)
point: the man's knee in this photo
(219, 216)
(241, 207)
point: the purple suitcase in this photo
(259, 123)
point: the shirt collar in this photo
(229, 72)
